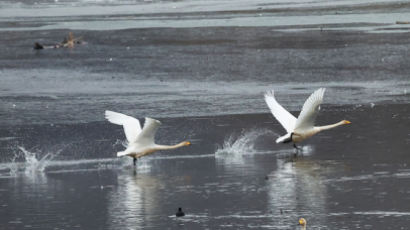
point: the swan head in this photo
(186, 143)
(302, 222)
(346, 122)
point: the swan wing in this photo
(132, 127)
(147, 135)
(307, 116)
(285, 138)
(286, 119)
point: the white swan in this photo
(141, 142)
(303, 127)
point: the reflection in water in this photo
(296, 190)
(134, 201)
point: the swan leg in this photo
(297, 149)
(135, 161)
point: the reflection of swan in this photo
(134, 201)
(140, 141)
(303, 127)
(296, 188)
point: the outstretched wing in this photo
(286, 119)
(132, 127)
(307, 116)
(147, 135)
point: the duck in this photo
(179, 213)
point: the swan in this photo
(141, 142)
(303, 127)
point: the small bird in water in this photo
(179, 213)
(301, 128)
(302, 223)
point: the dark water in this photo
(201, 67)
(206, 72)
(232, 177)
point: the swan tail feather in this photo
(120, 154)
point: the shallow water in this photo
(210, 72)
(233, 176)
(207, 66)
(201, 67)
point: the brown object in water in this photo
(402, 22)
(70, 41)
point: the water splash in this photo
(238, 146)
(307, 150)
(33, 163)
(304, 150)
(13, 168)
(125, 163)
(143, 166)
(123, 143)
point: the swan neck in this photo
(169, 147)
(326, 127)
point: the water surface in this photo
(201, 67)
(233, 176)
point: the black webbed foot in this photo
(298, 150)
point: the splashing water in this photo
(143, 166)
(123, 143)
(125, 163)
(244, 144)
(13, 166)
(35, 164)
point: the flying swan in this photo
(303, 127)
(141, 142)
